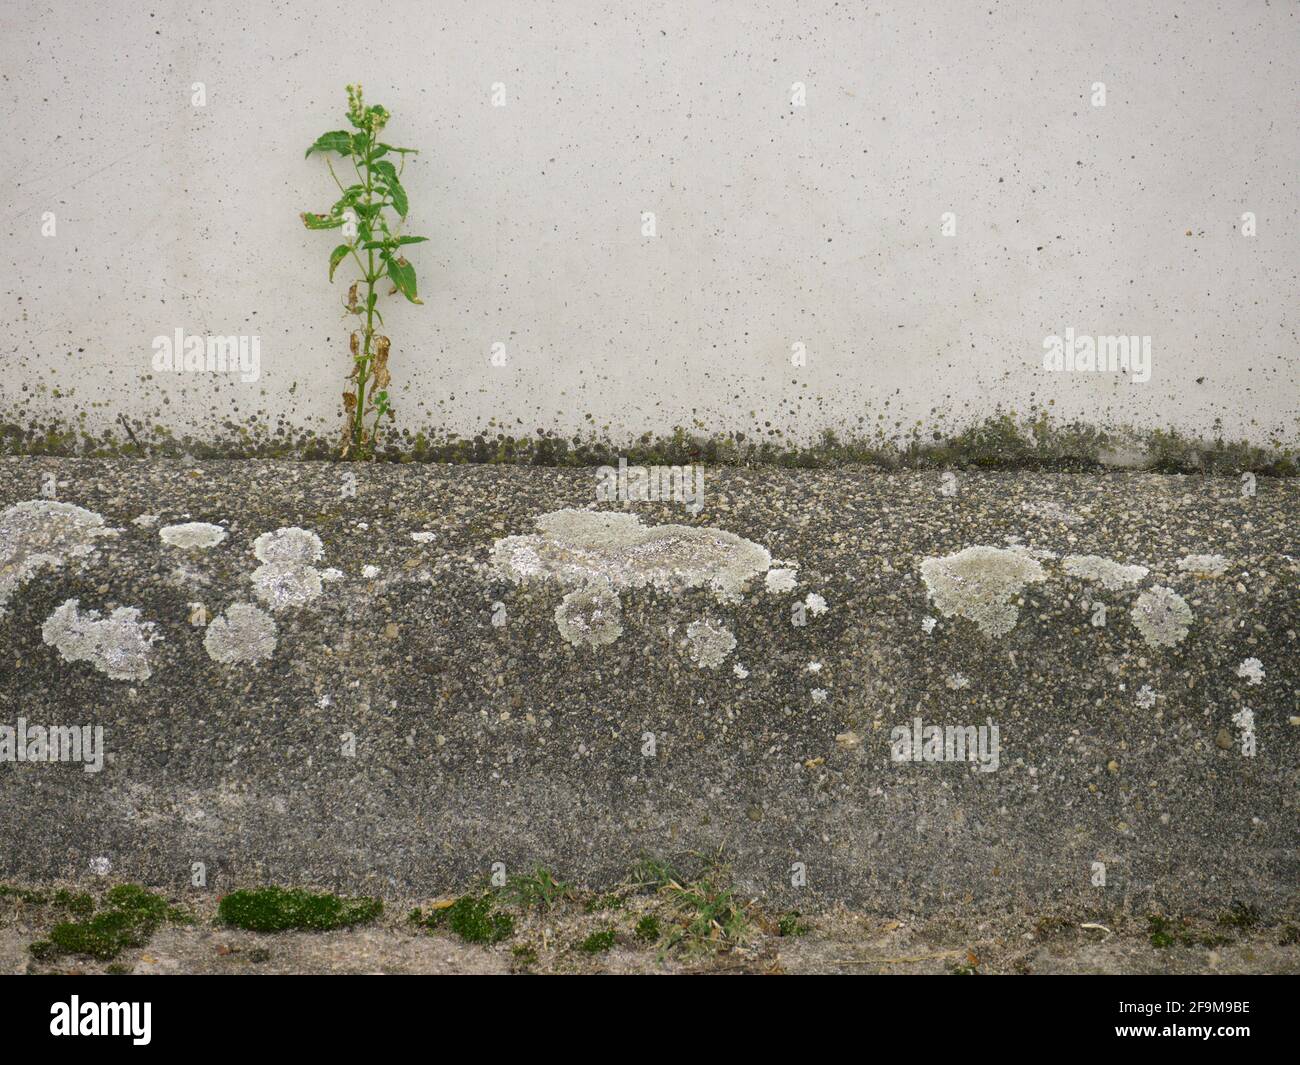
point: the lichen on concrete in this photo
(781, 580)
(288, 544)
(286, 578)
(117, 645)
(244, 633)
(979, 584)
(590, 616)
(1110, 574)
(1162, 616)
(43, 532)
(1251, 671)
(580, 547)
(284, 585)
(709, 642)
(1203, 565)
(192, 535)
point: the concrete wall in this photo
(776, 224)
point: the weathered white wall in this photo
(776, 224)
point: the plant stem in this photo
(358, 426)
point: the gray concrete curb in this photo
(422, 722)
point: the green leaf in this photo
(321, 221)
(400, 204)
(336, 257)
(391, 242)
(360, 144)
(388, 172)
(402, 275)
(339, 140)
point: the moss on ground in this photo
(276, 909)
(476, 918)
(128, 916)
(792, 924)
(598, 942)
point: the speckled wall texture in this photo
(865, 215)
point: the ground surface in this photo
(423, 722)
(550, 941)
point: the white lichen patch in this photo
(1162, 616)
(284, 585)
(740, 671)
(928, 623)
(815, 604)
(819, 695)
(1203, 565)
(979, 584)
(1111, 575)
(289, 544)
(709, 642)
(957, 681)
(590, 616)
(192, 535)
(244, 633)
(780, 581)
(117, 645)
(581, 547)
(370, 572)
(43, 532)
(1251, 671)
(1146, 697)
(286, 578)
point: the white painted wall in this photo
(776, 224)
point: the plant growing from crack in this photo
(371, 212)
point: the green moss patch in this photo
(598, 942)
(792, 924)
(128, 917)
(647, 929)
(275, 909)
(475, 918)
